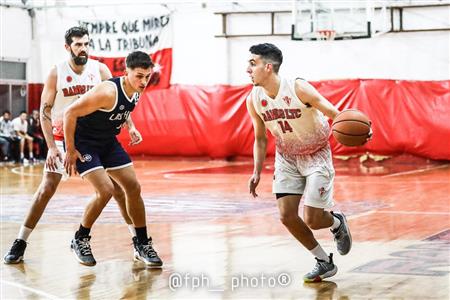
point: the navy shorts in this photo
(100, 154)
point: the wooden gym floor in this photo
(219, 243)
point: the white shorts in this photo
(59, 165)
(309, 175)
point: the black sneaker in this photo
(15, 254)
(82, 250)
(145, 253)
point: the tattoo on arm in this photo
(46, 113)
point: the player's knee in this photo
(134, 189)
(46, 191)
(288, 219)
(119, 194)
(312, 222)
(105, 192)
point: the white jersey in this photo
(69, 87)
(297, 128)
(20, 125)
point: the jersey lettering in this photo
(278, 113)
(120, 116)
(285, 127)
(76, 90)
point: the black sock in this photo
(141, 234)
(82, 232)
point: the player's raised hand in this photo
(70, 161)
(369, 136)
(53, 156)
(253, 183)
(135, 136)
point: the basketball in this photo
(351, 128)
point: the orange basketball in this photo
(351, 128)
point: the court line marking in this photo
(400, 212)
(363, 214)
(19, 171)
(405, 212)
(198, 177)
(415, 171)
(30, 289)
(221, 165)
(169, 173)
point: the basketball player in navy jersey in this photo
(295, 113)
(91, 125)
(66, 82)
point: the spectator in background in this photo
(21, 127)
(35, 131)
(8, 137)
(4, 148)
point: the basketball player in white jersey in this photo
(295, 113)
(66, 82)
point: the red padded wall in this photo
(407, 116)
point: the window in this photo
(13, 87)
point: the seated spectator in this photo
(4, 148)
(21, 127)
(35, 131)
(8, 137)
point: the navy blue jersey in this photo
(106, 124)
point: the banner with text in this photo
(113, 39)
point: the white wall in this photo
(202, 59)
(414, 56)
(198, 57)
(15, 33)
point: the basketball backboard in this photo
(347, 19)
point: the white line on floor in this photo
(416, 171)
(30, 289)
(405, 212)
(20, 171)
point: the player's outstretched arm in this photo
(259, 147)
(309, 95)
(102, 96)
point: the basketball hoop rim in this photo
(326, 34)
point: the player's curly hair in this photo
(76, 31)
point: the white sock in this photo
(132, 230)
(22, 156)
(320, 253)
(24, 233)
(31, 154)
(336, 223)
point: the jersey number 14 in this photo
(285, 126)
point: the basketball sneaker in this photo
(145, 253)
(15, 254)
(342, 235)
(322, 269)
(82, 250)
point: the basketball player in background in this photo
(90, 127)
(66, 82)
(295, 113)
